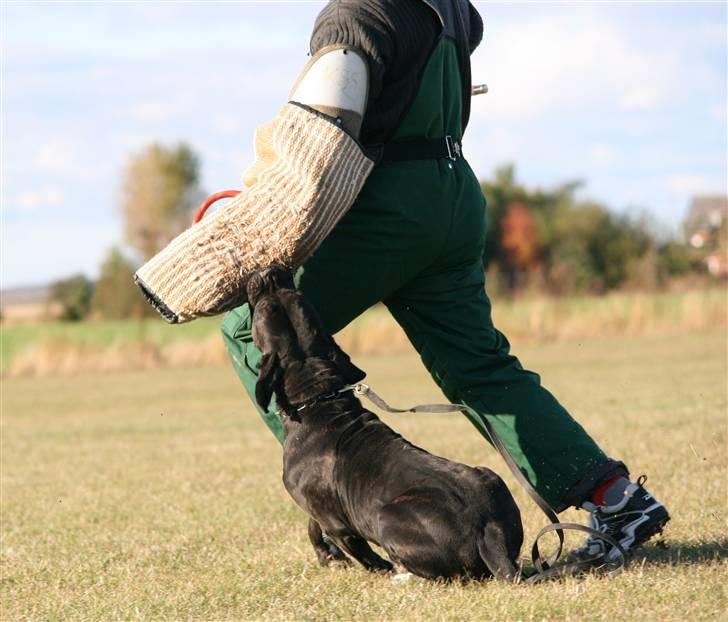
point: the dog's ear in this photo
(255, 288)
(267, 281)
(351, 373)
(312, 335)
(280, 277)
(269, 378)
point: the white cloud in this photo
(640, 97)
(719, 112)
(36, 199)
(56, 155)
(60, 159)
(135, 141)
(227, 123)
(695, 184)
(151, 112)
(546, 64)
(602, 155)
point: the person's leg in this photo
(446, 313)
(237, 326)
(447, 317)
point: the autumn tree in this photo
(518, 241)
(519, 236)
(158, 193)
(563, 243)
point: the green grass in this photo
(157, 495)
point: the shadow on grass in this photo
(669, 553)
(658, 553)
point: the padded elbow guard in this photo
(306, 176)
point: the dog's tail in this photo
(493, 549)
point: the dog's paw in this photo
(330, 553)
(403, 577)
(338, 557)
(381, 566)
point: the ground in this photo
(157, 495)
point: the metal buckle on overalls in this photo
(453, 148)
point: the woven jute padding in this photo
(315, 176)
(265, 155)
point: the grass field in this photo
(66, 348)
(157, 495)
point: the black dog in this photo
(359, 480)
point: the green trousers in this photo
(414, 239)
(420, 253)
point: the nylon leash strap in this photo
(544, 567)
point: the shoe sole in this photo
(642, 530)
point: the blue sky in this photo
(629, 97)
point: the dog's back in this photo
(435, 517)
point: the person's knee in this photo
(236, 329)
(237, 325)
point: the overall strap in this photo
(455, 19)
(432, 127)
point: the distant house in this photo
(705, 217)
(705, 231)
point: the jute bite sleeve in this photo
(314, 175)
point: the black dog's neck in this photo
(310, 381)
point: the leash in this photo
(364, 390)
(545, 568)
(204, 206)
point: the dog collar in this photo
(325, 397)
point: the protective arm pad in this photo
(336, 83)
(316, 172)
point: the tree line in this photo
(549, 241)
(541, 240)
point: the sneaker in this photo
(631, 522)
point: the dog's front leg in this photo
(325, 549)
(360, 550)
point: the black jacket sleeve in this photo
(476, 29)
(396, 37)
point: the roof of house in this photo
(704, 210)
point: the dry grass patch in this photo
(67, 349)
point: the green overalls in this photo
(414, 239)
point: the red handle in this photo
(224, 194)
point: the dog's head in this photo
(300, 359)
(272, 333)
